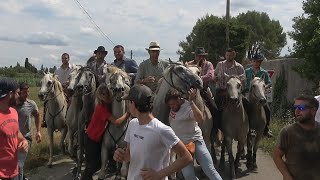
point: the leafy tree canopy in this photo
(245, 29)
(306, 34)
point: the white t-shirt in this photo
(150, 146)
(318, 111)
(184, 124)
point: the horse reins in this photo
(171, 78)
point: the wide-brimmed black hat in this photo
(200, 51)
(100, 49)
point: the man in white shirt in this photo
(64, 70)
(149, 141)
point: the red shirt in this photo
(98, 122)
(9, 128)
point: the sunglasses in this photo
(300, 107)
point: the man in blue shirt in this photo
(257, 71)
(128, 65)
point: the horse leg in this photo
(240, 149)
(228, 145)
(80, 152)
(213, 151)
(255, 148)
(50, 134)
(63, 137)
(249, 162)
(70, 145)
(104, 159)
(223, 151)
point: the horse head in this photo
(181, 78)
(87, 81)
(118, 81)
(73, 79)
(257, 90)
(234, 87)
(195, 69)
(48, 85)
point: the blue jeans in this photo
(204, 158)
(13, 178)
(21, 159)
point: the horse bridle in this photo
(85, 87)
(171, 78)
(49, 91)
(114, 90)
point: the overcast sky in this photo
(43, 29)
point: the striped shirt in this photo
(236, 70)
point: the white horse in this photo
(258, 120)
(234, 123)
(118, 83)
(51, 93)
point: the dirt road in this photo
(61, 170)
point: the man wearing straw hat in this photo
(151, 70)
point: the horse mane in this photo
(168, 69)
(115, 70)
(57, 83)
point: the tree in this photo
(209, 32)
(264, 30)
(306, 34)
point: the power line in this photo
(93, 22)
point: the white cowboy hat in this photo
(154, 46)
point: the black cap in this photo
(258, 57)
(140, 94)
(7, 85)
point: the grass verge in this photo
(267, 144)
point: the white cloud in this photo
(41, 38)
(44, 29)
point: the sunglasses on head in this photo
(300, 107)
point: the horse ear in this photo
(170, 61)
(252, 76)
(226, 75)
(262, 78)
(44, 73)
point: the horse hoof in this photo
(249, 165)
(255, 166)
(74, 170)
(49, 165)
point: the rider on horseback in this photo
(256, 70)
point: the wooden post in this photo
(227, 23)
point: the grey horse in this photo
(118, 82)
(235, 123)
(257, 116)
(87, 84)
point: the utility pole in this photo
(227, 23)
